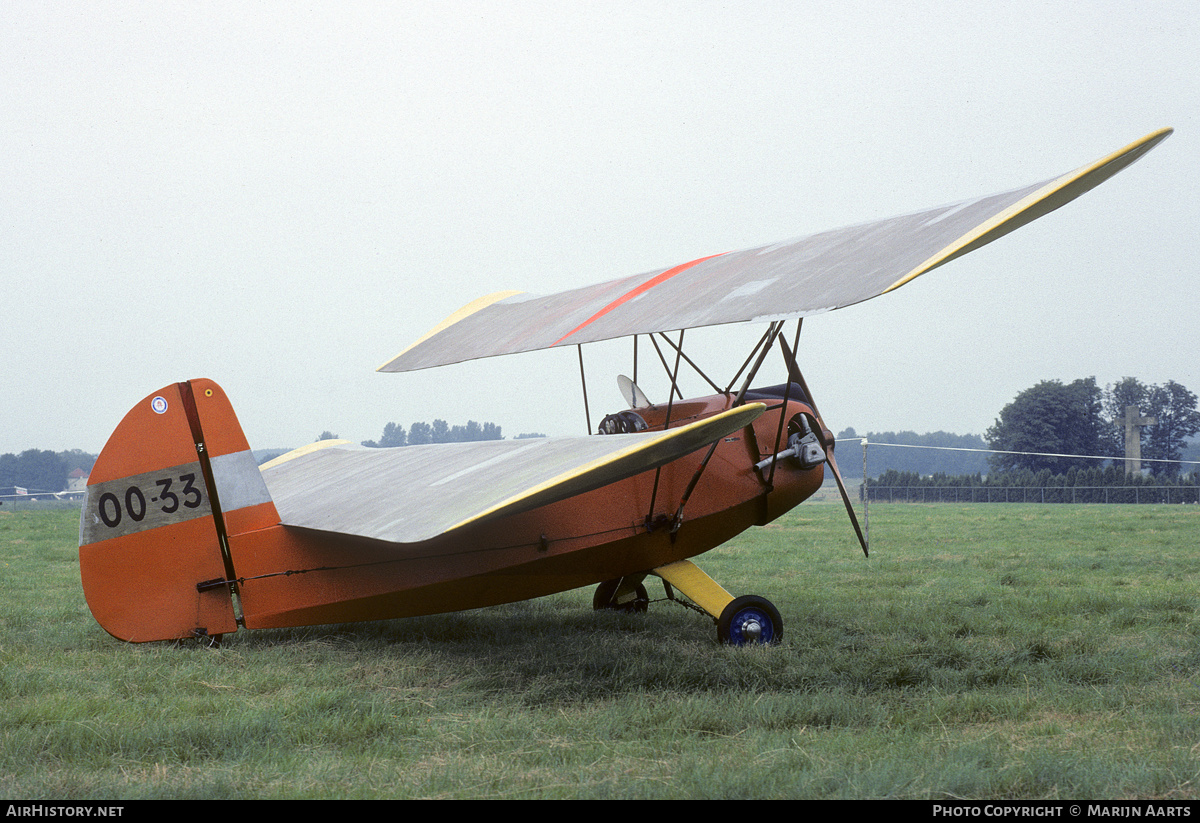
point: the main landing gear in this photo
(630, 598)
(749, 620)
(741, 621)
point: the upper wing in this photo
(791, 279)
(414, 493)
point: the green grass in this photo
(1003, 651)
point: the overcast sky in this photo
(282, 196)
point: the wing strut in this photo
(587, 415)
(666, 425)
(697, 369)
(787, 395)
(674, 388)
(794, 372)
(690, 488)
(746, 363)
(769, 338)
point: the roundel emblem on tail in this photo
(159, 404)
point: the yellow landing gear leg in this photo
(741, 621)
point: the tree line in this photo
(931, 453)
(1052, 419)
(422, 433)
(1046, 442)
(1053, 427)
(41, 471)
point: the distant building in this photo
(77, 481)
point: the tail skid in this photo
(174, 482)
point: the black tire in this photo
(603, 598)
(750, 620)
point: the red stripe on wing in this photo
(632, 293)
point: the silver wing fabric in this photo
(415, 493)
(785, 280)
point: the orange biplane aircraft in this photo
(183, 535)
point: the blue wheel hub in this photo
(752, 625)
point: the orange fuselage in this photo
(294, 577)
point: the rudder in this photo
(175, 478)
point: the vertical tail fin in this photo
(174, 480)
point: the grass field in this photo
(1003, 651)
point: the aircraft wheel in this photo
(603, 598)
(750, 620)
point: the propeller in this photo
(796, 377)
(634, 396)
